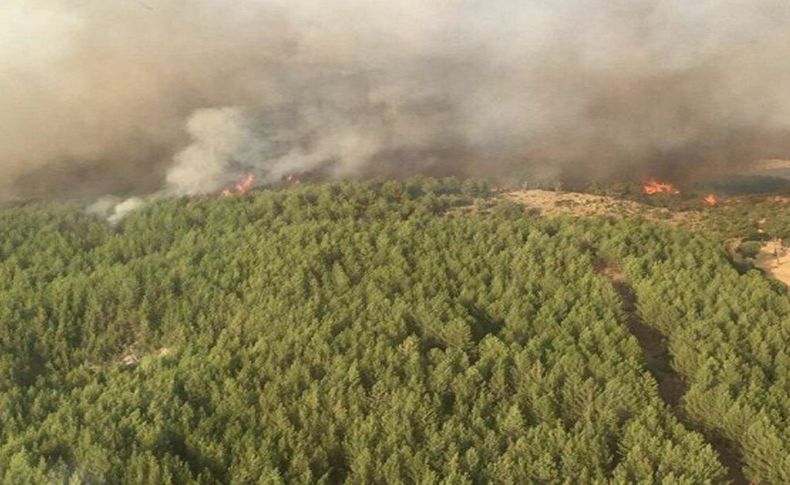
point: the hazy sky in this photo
(126, 96)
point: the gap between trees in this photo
(671, 385)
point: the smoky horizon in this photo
(184, 97)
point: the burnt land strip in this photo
(672, 386)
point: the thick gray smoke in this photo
(184, 96)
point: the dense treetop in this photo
(375, 332)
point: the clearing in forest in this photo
(551, 203)
(774, 259)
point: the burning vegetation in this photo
(242, 187)
(653, 187)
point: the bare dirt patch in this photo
(774, 259)
(550, 203)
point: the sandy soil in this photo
(776, 267)
(551, 203)
(558, 203)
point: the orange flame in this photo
(246, 184)
(242, 187)
(293, 179)
(653, 187)
(711, 200)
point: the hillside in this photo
(368, 332)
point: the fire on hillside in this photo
(653, 187)
(242, 187)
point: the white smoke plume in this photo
(114, 208)
(184, 96)
(204, 166)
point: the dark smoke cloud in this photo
(183, 96)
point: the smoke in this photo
(114, 208)
(204, 166)
(185, 96)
